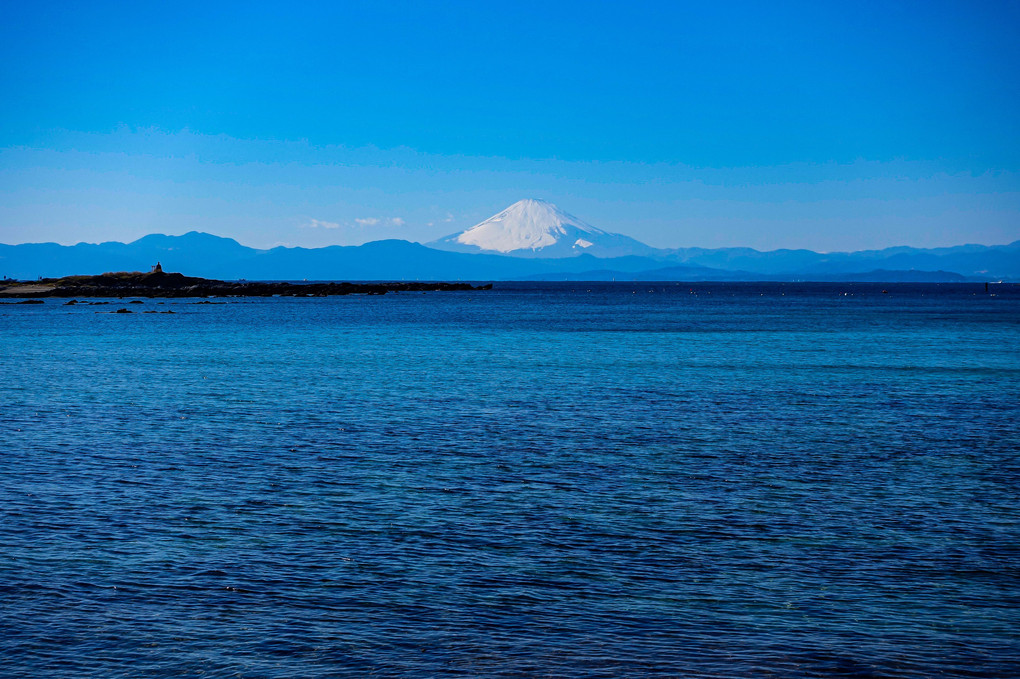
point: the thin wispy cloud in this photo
(379, 221)
(358, 222)
(322, 224)
(445, 220)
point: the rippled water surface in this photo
(569, 480)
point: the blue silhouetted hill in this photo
(209, 256)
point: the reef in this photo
(163, 284)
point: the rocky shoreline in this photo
(162, 284)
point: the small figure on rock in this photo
(157, 268)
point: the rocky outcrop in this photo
(162, 284)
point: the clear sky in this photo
(832, 126)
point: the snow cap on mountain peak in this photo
(537, 228)
(529, 224)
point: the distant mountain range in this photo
(531, 240)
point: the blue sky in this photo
(831, 126)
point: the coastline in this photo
(163, 284)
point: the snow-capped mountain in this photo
(536, 228)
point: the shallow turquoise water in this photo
(539, 480)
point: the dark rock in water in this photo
(32, 301)
(136, 301)
(123, 311)
(69, 303)
(162, 284)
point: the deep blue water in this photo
(562, 480)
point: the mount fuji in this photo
(536, 228)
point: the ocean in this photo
(540, 480)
